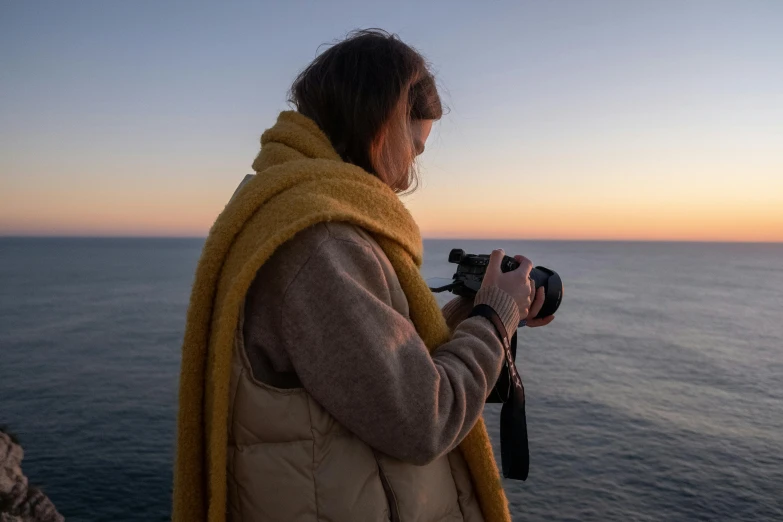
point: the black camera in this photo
(471, 268)
(466, 281)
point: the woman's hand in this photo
(519, 286)
(515, 283)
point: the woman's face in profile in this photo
(420, 130)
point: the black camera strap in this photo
(514, 449)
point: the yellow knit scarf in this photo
(302, 181)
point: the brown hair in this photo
(362, 92)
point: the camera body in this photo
(471, 268)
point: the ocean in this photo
(656, 394)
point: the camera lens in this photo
(553, 289)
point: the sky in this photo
(622, 120)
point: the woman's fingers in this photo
(538, 303)
(525, 265)
(495, 259)
(532, 323)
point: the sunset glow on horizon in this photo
(613, 121)
(737, 223)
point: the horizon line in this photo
(431, 238)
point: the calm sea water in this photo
(657, 394)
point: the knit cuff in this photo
(503, 305)
(457, 310)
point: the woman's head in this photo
(375, 99)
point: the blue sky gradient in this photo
(568, 119)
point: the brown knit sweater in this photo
(20, 502)
(324, 313)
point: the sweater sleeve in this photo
(366, 365)
(459, 308)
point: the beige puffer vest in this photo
(289, 460)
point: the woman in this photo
(319, 379)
